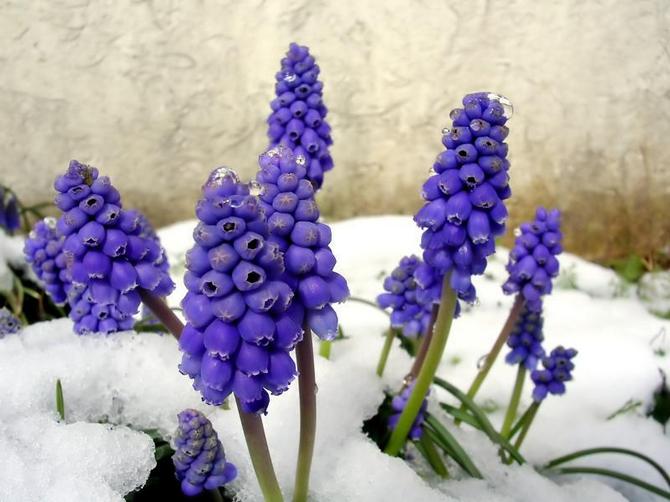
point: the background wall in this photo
(157, 93)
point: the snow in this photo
(131, 379)
(11, 253)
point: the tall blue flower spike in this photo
(199, 459)
(464, 209)
(526, 339)
(532, 261)
(287, 198)
(43, 249)
(242, 324)
(410, 305)
(108, 255)
(298, 118)
(557, 370)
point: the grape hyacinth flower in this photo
(557, 370)
(10, 218)
(9, 323)
(241, 325)
(199, 459)
(526, 339)
(463, 213)
(298, 113)
(398, 405)
(43, 249)
(532, 260)
(410, 306)
(288, 201)
(464, 209)
(109, 259)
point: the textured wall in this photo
(159, 92)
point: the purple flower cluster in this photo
(398, 405)
(557, 370)
(287, 198)
(298, 113)
(532, 261)
(464, 209)
(410, 306)
(107, 254)
(242, 324)
(43, 249)
(9, 323)
(9, 211)
(526, 340)
(199, 459)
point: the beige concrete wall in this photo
(156, 93)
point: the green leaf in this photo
(444, 439)
(629, 406)
(461, 415)
(163, 451)
(616, 475)
(481, 417)
(609, 449)
(631, 268)
(426, 447)
(60, 402)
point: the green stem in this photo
(513, 402)
(433, 456)
(519, 423)
(386, 349)
(254, 433)
(307, 393)
(532, 411)
(60, 401)
(324, 348)
(491, 357)
(423, 348)
(425, 378)
(162, 312)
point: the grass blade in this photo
(461, 415)
(607, 449)
(445, 439)
(60, 402)
(616, 475)
(483, 420)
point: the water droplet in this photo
(507, 105)
(480, 361)
(316, 388)
(300, 160)
(222, 176)
(517, 232)
(50, 222)
(445, 130)
(255, 188)
(289, 76)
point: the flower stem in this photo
(491, 357)
(513, 402)
(307, 392)
(532, 411)
(425, 378)
(324, 348)
(162, 312)
(423, 348)
(254, 433)
(386, 349)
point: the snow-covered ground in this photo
(132, 379)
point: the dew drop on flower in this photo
(445, 131)
(50, 222)
(222, 175)
(290, 77)
(517, 232)
(300, 160)
(505, 102)
(255, 188)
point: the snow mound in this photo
(131, 379)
